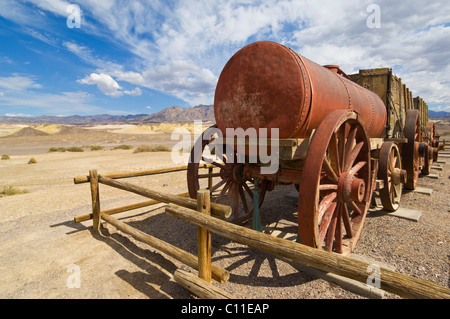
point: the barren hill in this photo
(179, 114)
(28, 131)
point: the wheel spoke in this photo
(327, 187)
(244, 200)
(350, 140)
(208, 175)
(334, 154)
(328, 202)
(355, 208)
(223, 191)
(341, 141)
(249, 191)
(355, 169)
(338, 231)
(347, 223)
(350, 159)
(332, 229)
(331, 174)
(325, 223)
(212, 189)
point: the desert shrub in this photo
(161, 148)
(143, 148)
(146, 148)
(10, 190)
(75, 149)
(32, 161)
(57, 149)
(5, 157)
(123, 147)
(96, 147)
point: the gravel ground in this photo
(41, 243)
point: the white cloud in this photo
(134, 92)
(104, 82)
(41, 103)
(18, 83)
(107, 85)
(180, 47)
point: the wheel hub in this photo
(351, 188)
(234, 172)
(398, 176)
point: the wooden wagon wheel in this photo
(233, 188)
(392, 175)
(410, 156)
(336, 184)
(427, 159)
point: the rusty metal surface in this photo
(268, 85)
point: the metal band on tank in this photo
(307, 91)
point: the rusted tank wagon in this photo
(332, 142)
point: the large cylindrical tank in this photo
(268, 85)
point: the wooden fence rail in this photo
(85, 179)
(400, 284)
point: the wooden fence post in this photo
(210, 171)
(204, 238)
(93, 180)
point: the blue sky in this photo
(131, 57)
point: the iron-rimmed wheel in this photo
(336, 184)
(230, 186)
(427, 160)
(410, 155)
(391, 173)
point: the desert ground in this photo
(41, 245)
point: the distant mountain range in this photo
(440, 114)
(170, 114)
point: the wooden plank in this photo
(85, 179)
(117, 210)
(219, 274)
(375, 143)
(216, 209)
(200, 287)
(390, 281)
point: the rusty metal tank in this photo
(268, 85)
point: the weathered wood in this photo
(375, 143)
(117, 210)
(200, 287)
(216, 209)
(390, 281)
(85, 179)
(204, 237)
(219, 274)
(93, 179)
